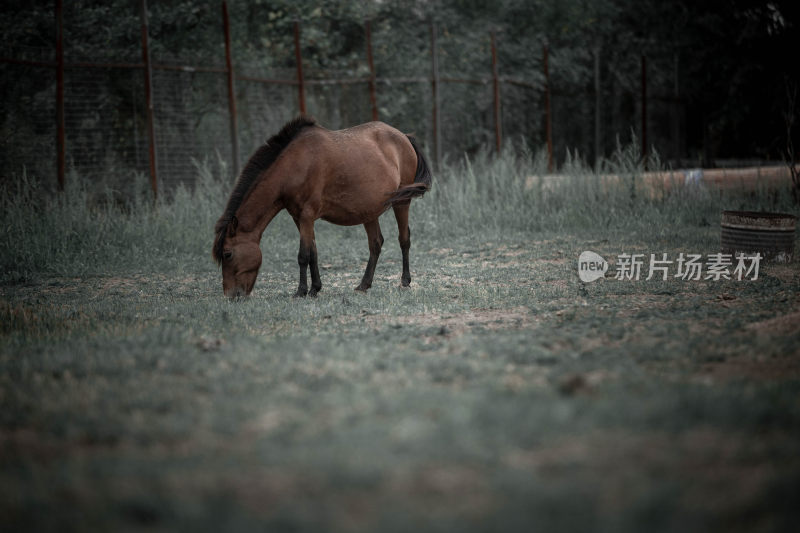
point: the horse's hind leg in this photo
(404, 236)
(375, 243)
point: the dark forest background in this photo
(722, 74)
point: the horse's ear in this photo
(232, 225)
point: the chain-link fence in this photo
(107, 134)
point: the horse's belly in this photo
(352, 214)
(347, 205)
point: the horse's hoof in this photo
(300, 294)
(313, 292)
(361, 288)
(405, 283)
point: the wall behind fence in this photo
(421, 74)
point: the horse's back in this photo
(375, 139)
(348, 174)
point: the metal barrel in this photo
(748, 232)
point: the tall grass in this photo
(515, 193)
(91, 228)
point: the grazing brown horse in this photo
(346, 177)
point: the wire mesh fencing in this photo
(104, 134)
(191, 123)
(206, 110)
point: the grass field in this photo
(498, 393)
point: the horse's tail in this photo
(422, 180)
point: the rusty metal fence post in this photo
(676, 107)
(598, 155)
(148, 94)
(644, 111)
(496, 87)
(231, 90)
(437, 131)
(373, 100)
(548, 118)
(301, 89)
(60, 120)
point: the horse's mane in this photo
(259, 161)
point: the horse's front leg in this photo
(375, 240)
(316, 282)
(307, 257)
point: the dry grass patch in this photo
(517, 318)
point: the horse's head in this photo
(240, 258)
